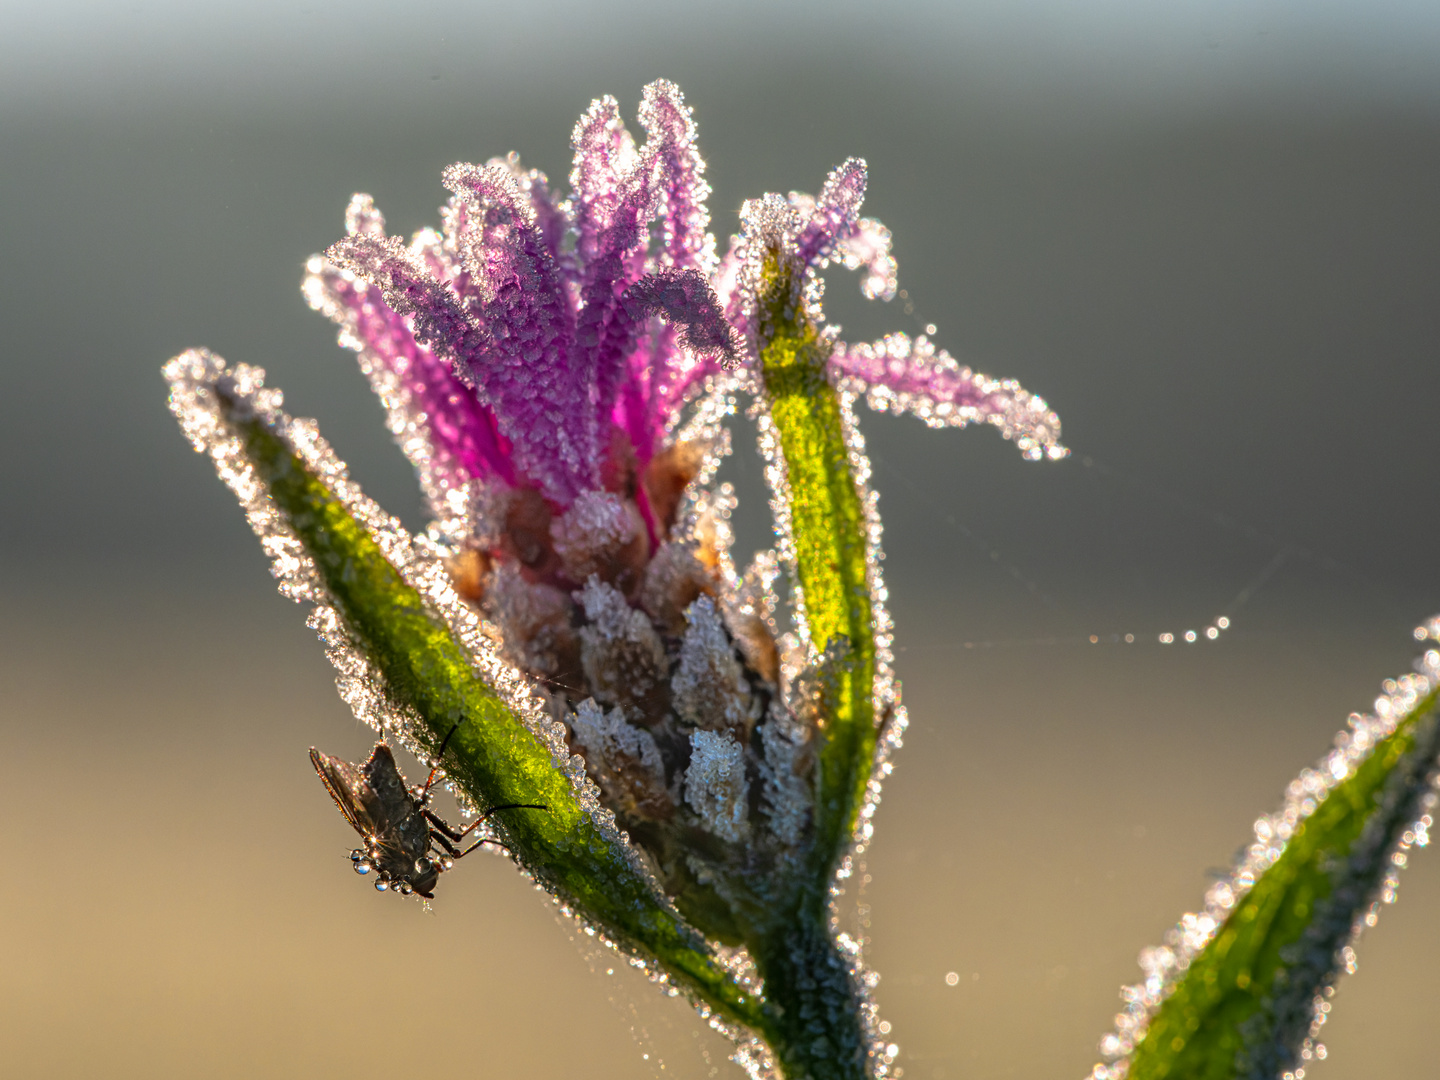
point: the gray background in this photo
(1206, 234)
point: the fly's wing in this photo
(350, 790)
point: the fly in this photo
(406, 843)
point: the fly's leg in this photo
(440, 828)
(447, 836)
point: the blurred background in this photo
(1207, 232)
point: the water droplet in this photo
(362, 867)
(952, 978)
(382, 885)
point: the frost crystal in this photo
(715, 784)
(787, 793)
(623, 657)
(901, 375)
(709, 688)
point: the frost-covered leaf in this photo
(1242, 989)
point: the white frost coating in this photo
(787, 795)
(709, 689)
(899, 374)
(536, 615)
(193, 377)
(592, 530)
(362, 218)
(1165, 965)
(621, 653)
(888, 712)
(870, 248)
(608, 736)
(715, 784)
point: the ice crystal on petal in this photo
(688, 303)
(903, 375)
(709, 688)
(623, 656)
(868, 246)
(715, 784)
(787, 790)
(598, 534)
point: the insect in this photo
(405, 841)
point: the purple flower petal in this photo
(670, 127)
(406, 283)
(661, 373)
(684, 299)
(835, 216)
(665, 181)
(462, 441)
(557, 345)
(900, 375)
(530, 372)
(604, 154)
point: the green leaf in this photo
(1244, 1005)
(493, 757)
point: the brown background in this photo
(1209, 238)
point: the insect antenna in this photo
(440, 753)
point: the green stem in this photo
(829, 531)
(812, 1000)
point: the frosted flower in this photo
(536, 355)
(558, 370)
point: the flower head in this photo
(557, 369)
(542, 343)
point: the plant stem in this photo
(812, 1002)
